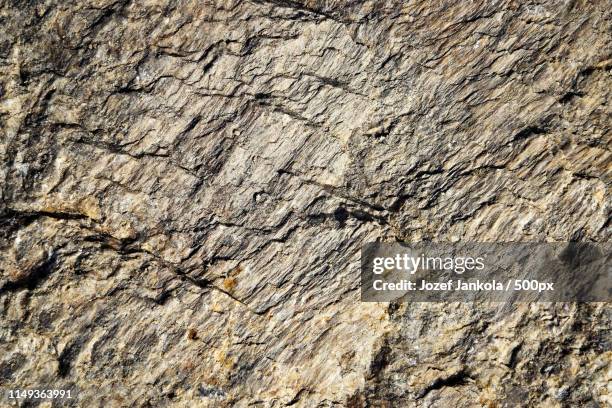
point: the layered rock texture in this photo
(186, 186)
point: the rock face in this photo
(186, 186)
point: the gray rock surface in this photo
(186, 185)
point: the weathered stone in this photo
(187, 185)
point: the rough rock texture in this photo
(186, 186)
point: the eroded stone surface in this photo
(186, 187)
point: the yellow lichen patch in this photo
(230, 283)
(486, 402)
(90, 208)
(599, 195)
(224, 358)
